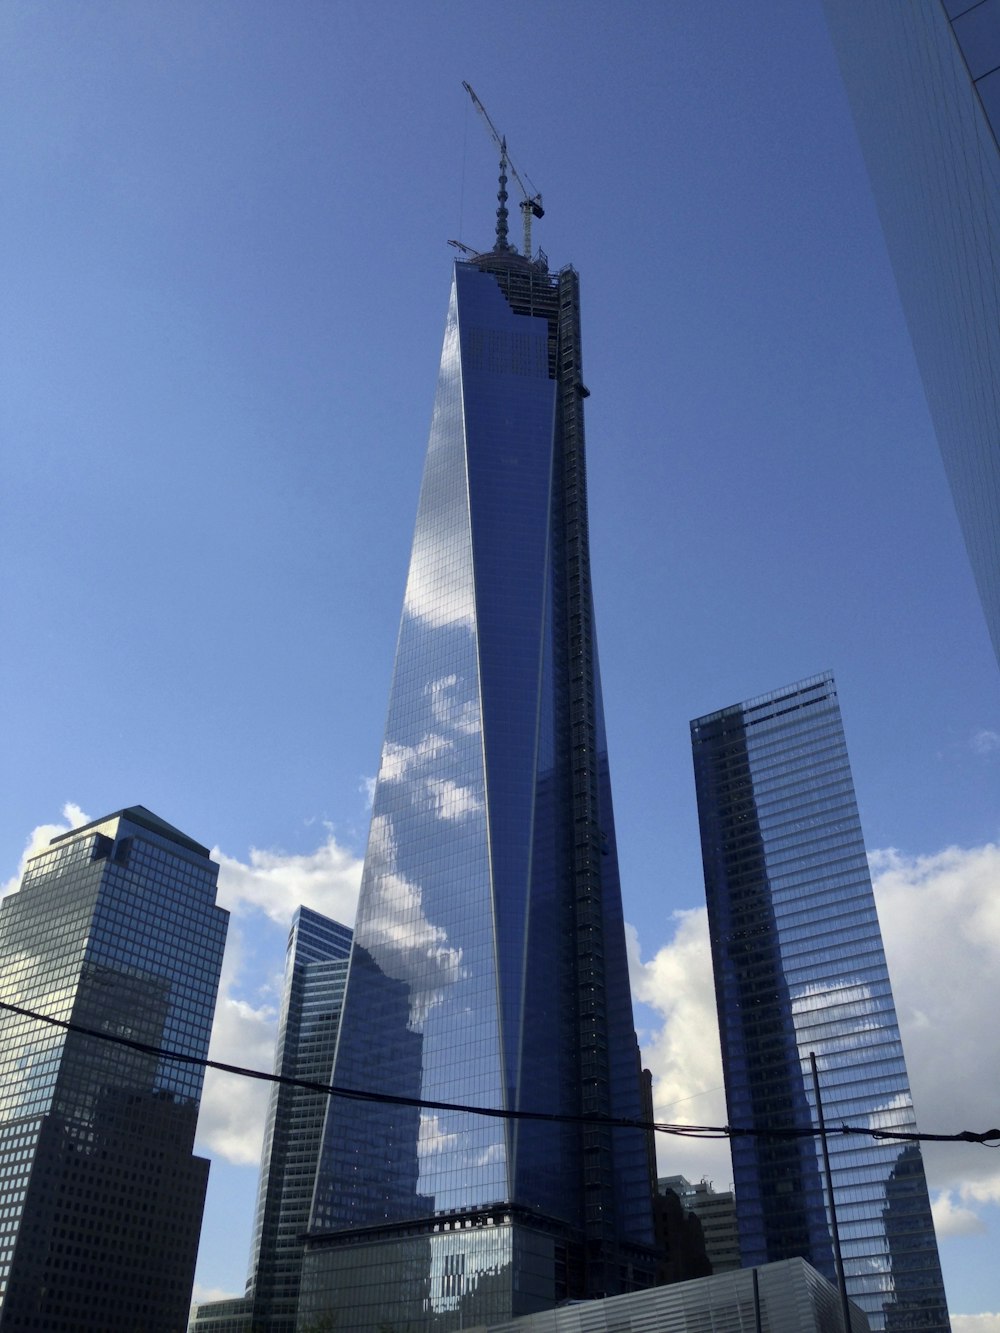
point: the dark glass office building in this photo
(923, 78)
(489, 964)
(114, 928)
(311, 1003)
(799, 968)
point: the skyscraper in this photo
(114, 928)
(489, 964)
(311, 1002)
(315, 973)
(924, 83)
(799, 968)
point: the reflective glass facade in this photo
(114, 927)
(311, 1004)
(924, 83)
(489, 961)
(799, 968)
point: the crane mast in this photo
(531, 202)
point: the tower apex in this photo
(531, 201)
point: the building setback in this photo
(799, 968)
(315, 973)
(923, 79)
(489, 965)
(114, 928)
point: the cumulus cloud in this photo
(233, 1109)
(40, 837)
(402, 941)
(451, 709)
(270, 884)
(202, 1294)
(940, 919)
(432, 1138)
(275, 882)
(398, 761)
(975, 1323)
(683, 1053)
(449, 800)
(985, 741)
(951, 1219)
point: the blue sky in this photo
(225, 266)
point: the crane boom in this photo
(531, 201)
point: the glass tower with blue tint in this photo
(800, 969)
(924, 83)
(489, 965)
(311, 1003)
(115, 928)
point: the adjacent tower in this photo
(924, 83)
(315, 974)
(115, 928)
(799, 968)
(489, 965)
(311, 1003)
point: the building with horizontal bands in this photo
(114, 930)
(800, 971)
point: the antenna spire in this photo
(531, 203)
(502, 242)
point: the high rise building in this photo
(800, 969)
(716, 1211)
(923, 79)
(489, 965)
(311, 1002)
(315, 973)
(115, 929)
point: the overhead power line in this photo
(990, 1137)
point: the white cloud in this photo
(432, 1138)
(951, 1219)
(975, 1323)
(494, 1152)
(399, 760)
(202, 1294)
(940, 919)
(275, 883)
(683, 1054)
(985, 741)
(233, 1109)
(401, 939)
(40, 837)
(451, 801)
(450, 709)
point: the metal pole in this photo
(758, 1326)
(845, 1309)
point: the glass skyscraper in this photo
(924, 83)
(315, 973)
(311, 1003)
(800, 969)
(489, 965)
(115, 927)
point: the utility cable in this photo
(990, 1137)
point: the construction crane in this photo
(531, 203)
